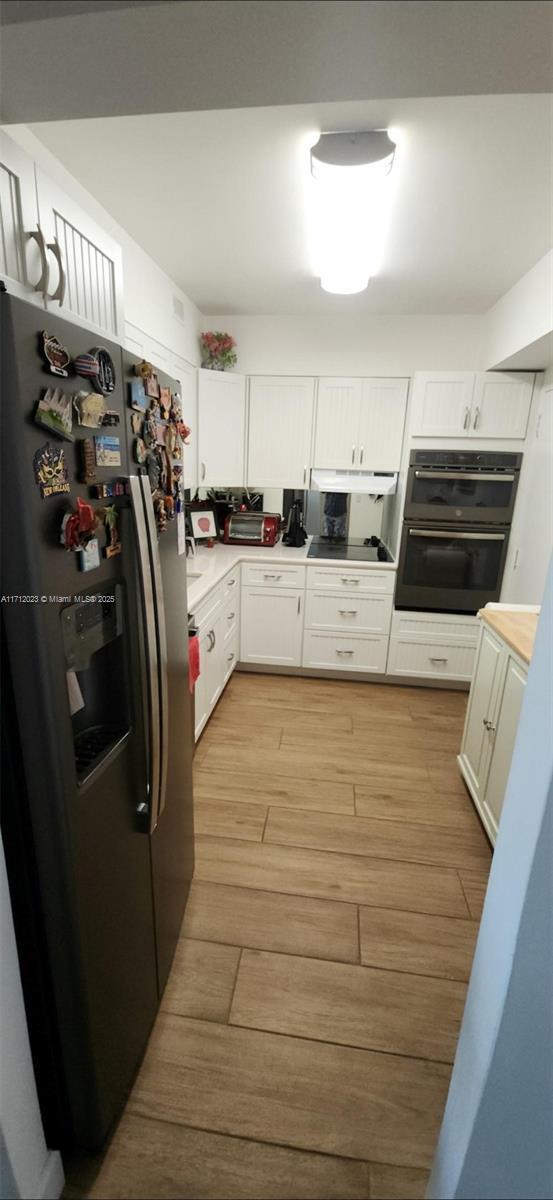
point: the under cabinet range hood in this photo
(367, 483)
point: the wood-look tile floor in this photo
(306, 1035)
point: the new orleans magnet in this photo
(55, 354)
(50, 470)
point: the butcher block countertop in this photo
(516, 626)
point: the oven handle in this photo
(451, 535)
(485, 476)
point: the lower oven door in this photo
(449, 569)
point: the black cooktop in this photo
(353, 549)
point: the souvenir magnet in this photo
(108, 453)
(137, 422)
(90, 408)
(104, 491)
(140, 452)
(161, 432)
(110, 417)
(55, 354)
(138, 398)
(55, 412)
(78, 527)
(105, 376)
(170, 439)
(110, 521)
(161, 515)
(151, 387)
(175, 413)
(88, 461)
(149, 432)
(50, 470)
(165, 402)
(89, 556)
(86, 365)
(143, 369)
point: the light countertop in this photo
(516, 625)
(206, 568)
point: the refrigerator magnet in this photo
(139, 450)
(90, 408)
(88, 557)
(137, 396)
(143, 369)
(113, 547)
(151, 387)
(88, 460)
(56, 355)
(105, 377)
(175, 413)
(137, 421)
(50, 470)
(165, 402)
(110, 417)
(108, 451)
(55, 412)
(149, 433)
(86, 365)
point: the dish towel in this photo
(193, 660)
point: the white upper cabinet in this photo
(442, 404)
(501, 405)
(221, 428)
(280, 430)
(337, 428)
(86, 278)
(460, 404)
(360, 424)
(382, 419)
(24, 255)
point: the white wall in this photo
(520, 324)
(495, 1139)
(531, 541)
(27, 1168)
(370, 345)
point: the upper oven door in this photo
(450, 570)
(445, 495)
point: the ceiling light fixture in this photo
(350, 193)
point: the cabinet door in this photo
(280, 430)
(382, 419)
(477, 741)
(504, 740)
(86, 276)
(442, 404)
(271, 626)
(337, 423)
(24, 261)
(214, 664)
(187, 377)
(501, 405)
(221, 422)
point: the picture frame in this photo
(203, 523)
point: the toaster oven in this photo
(252, 528)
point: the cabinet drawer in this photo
(208, 610)
(273, 576)
(342, 653)
(348, 611)
(430, 659)
(442, 628)
(231, 583)
(342, 578)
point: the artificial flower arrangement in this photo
(218, 350)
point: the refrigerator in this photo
(97, 730)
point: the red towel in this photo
(193, 661)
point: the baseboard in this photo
(450, 685)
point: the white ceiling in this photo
(218, 200)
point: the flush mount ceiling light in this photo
(350, 201)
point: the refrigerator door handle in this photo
(150, 642)
(157, 585)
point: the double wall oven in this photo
(457, 519)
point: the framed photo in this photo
(203, 523)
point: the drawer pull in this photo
(231, 582)
(345, 651)
(267, 575)
(348, 612)
(435, 659)
(231, 616)
(349, 579)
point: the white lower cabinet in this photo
(272, 625)
(364, 653)
(491, 723)
(218, 621)
(428, 645)
(339, 612)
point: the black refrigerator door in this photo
(79, 766)
(172, 837)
